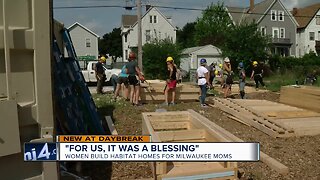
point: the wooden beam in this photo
(159, 125)
(171, 136)
(111, 126)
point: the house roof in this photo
(236, 13)
(80, 25)
(306, 14)
(129, 20)
(133, 21)
(197, 48)
(256, 14)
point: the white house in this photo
(84, 41)
(155, 26)
(308, 33)
(190, 58)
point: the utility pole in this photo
(139, 35)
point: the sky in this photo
(102, 20)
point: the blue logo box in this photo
(40, 152)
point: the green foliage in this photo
(304, 65)
(111, 43)
(155, 55)
(185, 36)
(213, 26)
(244, 43)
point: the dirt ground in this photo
(301, 155)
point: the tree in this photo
(245, 43)
(185, 36)
(213, 26)
(155, 55)
(111, 43)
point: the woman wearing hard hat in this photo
(100, 74)
(203, 77)
(171, 81)
(227, 77)
(257, 74)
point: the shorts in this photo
(133, 80)
(172, 84)
(123, 80)
(241, 85)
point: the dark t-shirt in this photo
(174, 73)
(131, 66)
(99, 68)
(257, 69)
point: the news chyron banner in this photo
(137, 148)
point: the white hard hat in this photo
(227, 60)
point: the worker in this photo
(219, 73)
(242, 79)
(257, 74)
(100, 74)
(212, 69)
(132, 70)
(227, 77)
(203, 77)
(171, 82)
(122, 80)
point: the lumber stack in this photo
(274, 119)
(153, 91)
(185, 126)
(307, 97)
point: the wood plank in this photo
(274, 108)
(274, 164)
(238, 120)
(159, 125)
(291, 114)
(170, 136)
(111, 126)
(156, 167)
(249, 118)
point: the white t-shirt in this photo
(201, 75)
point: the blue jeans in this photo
(203, 96)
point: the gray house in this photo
(85, 42)
(273, 19)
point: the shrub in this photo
(155, 55)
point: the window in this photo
(125, 37)
(280, 15)
(263, 30)
(273, 15)
(275, 32)
(148, 36)
(88, 42)
(154, 19)
(150, 19)
(318, 19)
(318, 35)
(311, 36)
(282, 33)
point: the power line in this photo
(166, 7)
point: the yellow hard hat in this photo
(169, 59)
(220, 65)
(254, 62)
(103, 59)
(216, 72)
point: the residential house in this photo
(273, 19)
(85, 42)
(308, 32)
(154, 25)
(190, 57)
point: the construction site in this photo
(43, 94)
